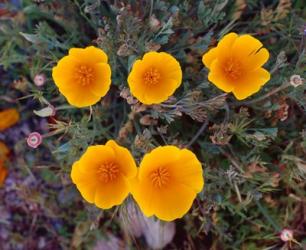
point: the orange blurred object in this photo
(8, 118)
(4, 152)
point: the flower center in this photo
(151, 77)
(232, 69)
(84, 75)
(160, 177)
(108, 172)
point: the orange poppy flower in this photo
(83, 76)
(102, 174)
(168, 181)
(155, 78)
(235, 65)
(8, 118)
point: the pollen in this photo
(108, 172)
(151, 76)
(160, 177)
(232, 69)
(84, 75)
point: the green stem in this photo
(265, 213)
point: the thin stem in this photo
(267, 216)
(272, 92)
(232, 160)
(151, 8)
(200, 131)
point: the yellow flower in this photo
(235, 65)
(8, 118)
(154, 78)
(168, 181)
(102, 174)
(83, 76)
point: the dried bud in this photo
(34, 139)
(286, 235)
(150, 46)
(125, 130)
(147, 120)
(162, 129)
(259, 136)
(154, 23)
(125, 93)
(39, 80)
(198, 114)
(143, 141)
(296, 80)
(124, 50)
(282, 112)
(20, 84)
(131, 100)
(138, 107)
(220, 136)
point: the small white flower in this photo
(296, 80)
(39, 80)
(34, 139)
(286, 235)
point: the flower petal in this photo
(86, 183)
(209, 57)
(159, 156)
(124, 158)
(102, 81)
(89, 55)
(168, 204)
(245, 46)
(225, 45)
(94, 156)
(218, 78)
(188, 171)
(62, 73)
(111, 194)
(257, 59)
(80, 97)
(251, 83)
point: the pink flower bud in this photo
(34, 139)
(39, 80)
(286, 235)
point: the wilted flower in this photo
(34, 139)
(168, 181)
(296, 80)
(102, 174)
(235, 65)
(155, 24)
(39, 79)
(8, 118)
(83, 76)
(147, 120)
(154, 78)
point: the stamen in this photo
(160, 177)
(152, 76)
(232, 69)
(108, 172)
(84, 75)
